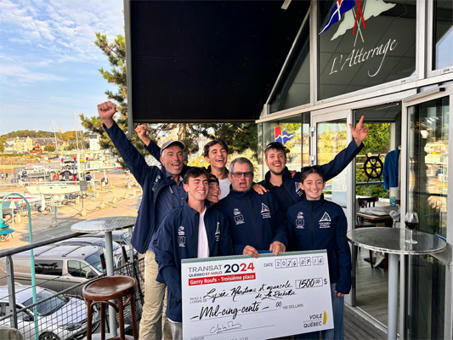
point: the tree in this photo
(49, 148)
(239, 136)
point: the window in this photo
(51, 304)
(49, 267)
(427, 194)
(295, 89)
(95, 261)
(78, 269)
(376, 48)
(443, 34)
(331, 139)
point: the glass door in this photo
(376, 179)
(330, 135)
(427, 279)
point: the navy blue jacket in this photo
(177, 239)
(255, 220)
(330, 170)
(322, 224)
(152, 179)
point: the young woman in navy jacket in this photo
(314, 223)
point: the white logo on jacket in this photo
(181, 237)
(325, 221)
(217, 232)
(238, 217)
(299, 191)
(300, 221)
(265, 211)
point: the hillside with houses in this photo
(31, 141)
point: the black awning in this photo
(206, 60)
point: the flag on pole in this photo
(339, 9)
(282, 136)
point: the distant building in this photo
(94, 142)
(18, 145)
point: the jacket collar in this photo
(315, 204)
(285, 175)
(239, 194)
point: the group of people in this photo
(192, 212)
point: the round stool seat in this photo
(111, 290)
(108, 287)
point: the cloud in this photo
(24, 75)
(64, 29)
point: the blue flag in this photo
(284, 137)
(337, 12)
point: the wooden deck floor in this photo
(372, 298)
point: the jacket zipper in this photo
(252, 218)
(312, 227)
(197, 232)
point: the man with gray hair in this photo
(256, 223)
(162, 192)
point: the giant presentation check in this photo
(243, 298)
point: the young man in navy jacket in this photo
(162, 191)
(285, 186)
(195, 230)
(256, 222)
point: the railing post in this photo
(11, 290)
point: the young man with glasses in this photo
(284, 185)
(257, 224)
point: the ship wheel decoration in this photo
(373, 167)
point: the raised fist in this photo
(141, 130)
(106, 111)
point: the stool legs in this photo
(102, 321)
(130, 301)
(121, 317)
(89, 314)
(134, 321)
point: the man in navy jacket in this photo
(194, 230)
(256, 222)
(162, 191)
(215, 153)
(285, 186)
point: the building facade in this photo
(392, 62)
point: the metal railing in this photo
(61, 314)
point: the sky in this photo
(49, 63)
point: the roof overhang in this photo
(191, 61)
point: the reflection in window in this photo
(294, 133)
(443, 34)
(295, 90)
(428, 133)
(77, 268)
(354, 55)
(49, 267)
(428, 164)
(331, 139)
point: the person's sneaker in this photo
(380, 257)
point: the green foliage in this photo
(376, 144)
(28, 133)
(49, 148)
(2, 143)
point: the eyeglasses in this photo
(247, 174)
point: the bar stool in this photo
(109, 288)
